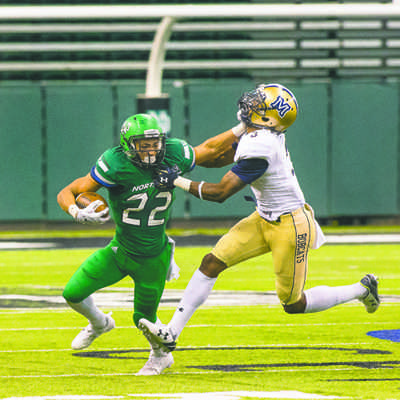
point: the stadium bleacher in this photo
(199, 48)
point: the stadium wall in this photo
(344, 145)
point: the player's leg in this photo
(242, 242)
(290, 263)
(321, 298)
(149, 277)
(291, 238)
(159, 359)
(194, 296)
(98, 271)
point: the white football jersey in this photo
(277, 191)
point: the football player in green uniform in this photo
(140, 247)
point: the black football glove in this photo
(164, 178)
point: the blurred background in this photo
(66, 85)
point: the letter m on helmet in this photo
(281, 106)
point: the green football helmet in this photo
(143, 141)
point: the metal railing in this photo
(291, 40)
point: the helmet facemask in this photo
(143, 141)
(249, 103)
(146, 151)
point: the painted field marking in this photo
(282, 394)
(208, 326)
(26, 245)
(389, 301)
(283, 370)
(259, 347)
(170, 298)
(65, 397)
(364, 238)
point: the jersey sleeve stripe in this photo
(100, 179)
(193, 157)
(103, 165)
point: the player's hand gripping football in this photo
(164, 178)
(88, 215)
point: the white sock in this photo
(196, 293)
(89, 310)
(321, 298)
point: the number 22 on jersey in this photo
(143, 198)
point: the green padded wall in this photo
(21, 176)
(79, 129)
(127, 91)
(307, 141)
(177, 113)
(365, 148)
(344, 148)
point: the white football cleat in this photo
(158, 361)
(371, 300)
(158, 334)
(86, 336)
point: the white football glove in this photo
(89, 215)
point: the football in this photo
(84, 199)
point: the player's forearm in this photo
(65, 199)
(208, 191)
(213, 150)
(220, 161)
(210, 150)
(196, 189)
(220, 143)
(216, 192)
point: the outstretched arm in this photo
(217, 151)
(243, 173)
(217, 192)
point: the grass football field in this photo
(237, 350)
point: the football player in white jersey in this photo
(282, 224)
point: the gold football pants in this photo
(289, 240)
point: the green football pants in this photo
(111, 264)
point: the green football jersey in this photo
(139, 209)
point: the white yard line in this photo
(170, 298)
(65, 397)
(232, 395)
(366, 238)
(283, 370)
(259, 347)
(26, 245)
(205, 326)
